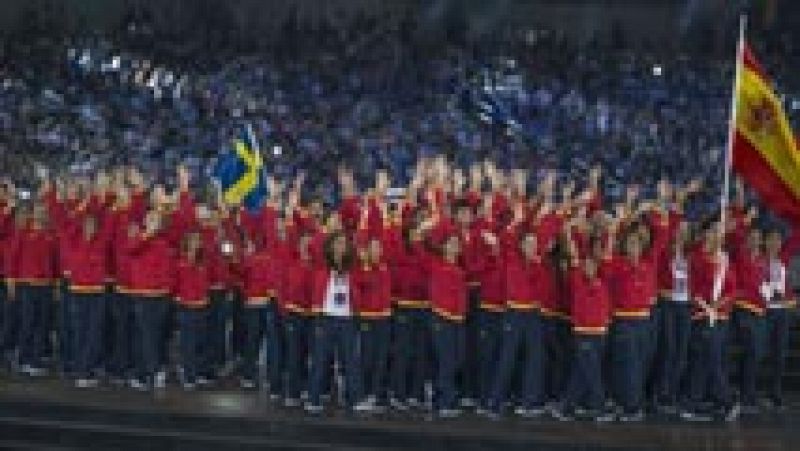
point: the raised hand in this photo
(475, 177)
(664, 189)
(567, 190)
(459, 181)
(521, 181)
(381, 182)
(594, 175)
(299, 180)
(184, 177)
(135, 178)
(631, 194)
(102, 183)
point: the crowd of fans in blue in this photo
(368, 97)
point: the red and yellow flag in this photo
(765, 153)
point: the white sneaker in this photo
(86, 383)
(733, 414)
(378, 407)
(32, 371)
(398, 405)
(363, 406)
(291, 402)
(529, 413)
(604, 417)
(581, 412)
(468, 402)
(632, 417)
(449, 413)
(688, 415)
(560, 413)
(189, 386)
(313, 409)
(160, 380)
(138, 385)
(247, 384)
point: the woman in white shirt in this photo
(778, 304)
(677, 324)
(335, 335)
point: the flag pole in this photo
(732, 125)
(257, 150)
(252, 135)
(726, 181)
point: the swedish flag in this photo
(240, 172)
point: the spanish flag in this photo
(765, 153)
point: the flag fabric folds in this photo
(240, 172)
(765, 152)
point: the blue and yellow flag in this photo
(240, 172)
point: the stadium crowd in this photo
(365, 97)
(491, 281)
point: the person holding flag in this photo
(711, 302)
(762, 149)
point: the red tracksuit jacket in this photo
(629, 286)
(633, 286)
(34, 253)
(702, 273)
(297, 285)
(88, 261)
(590, 309)
(152, 265)
(492, 280)
(192, 282)
(283, 253)
(751, 272)
(372, 294)
(412, 278)
(6, 224)
(448, 289)
(258, 277)
(664, 262)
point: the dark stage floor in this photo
(44, 414)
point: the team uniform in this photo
(448, 291)
(713, 284)
(590, 315)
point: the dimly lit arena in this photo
(399, 224)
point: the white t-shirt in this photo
(337, 296)
(774, 288)
(680, 280)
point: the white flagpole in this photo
(257, 150)
(726, 181)
(732, 124)
(252, 135)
